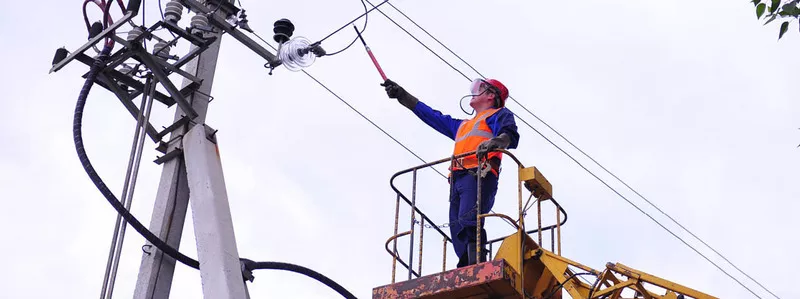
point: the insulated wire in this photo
(366, 20)
(367, 119)
(561, 285)
(358, 112)
(77, 125)
(588, 156)
(353, 21)
(302, 270)
(593, 160)
(419, 41)
(375, 7)
(373, 123)
(98, 181)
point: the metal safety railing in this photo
(555, 229)
(424, 220)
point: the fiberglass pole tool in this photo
(377, 66)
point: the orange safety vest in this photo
(470, 134)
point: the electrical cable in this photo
(561, 285)
(366, 20)
(165, 248)
(419, 41)
(526, 206)
(587, 155)
(251, 265)
(584, 279)
(367, 118)
(358, 112)
(620, 195)
(105, 8)
(99, 64)
(373, 123)
(161, 10)
(214, 11)
(113, 261)
(353, 21)
(640, 209)
(98, 182)
(596, 284)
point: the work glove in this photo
(395, 91)
(498, 142)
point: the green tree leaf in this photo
(771, 19)
(793, 10)
(789, 9)
(756, 2)
(774, 6)
(784, 28)
(760, 10)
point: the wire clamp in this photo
(247, 269)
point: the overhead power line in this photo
(359, 112)
(581, 151)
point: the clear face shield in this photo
(478, 87)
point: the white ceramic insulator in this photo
(134, 33)
(173, 11)
(199, 21)
(157, 49)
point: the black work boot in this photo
(463, 261)
(472, 254)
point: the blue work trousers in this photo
(464, 203)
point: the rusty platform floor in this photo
(493, 279)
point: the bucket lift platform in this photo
(521, 267)
(494, 279)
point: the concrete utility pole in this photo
(219, 259)
(172, 199)
(192, 170)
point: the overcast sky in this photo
(694, 104)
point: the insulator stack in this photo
(134, 34)
(173, 11)
(199, 24)
(161, 49)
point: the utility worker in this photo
(491, 128)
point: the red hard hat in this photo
(502, 89)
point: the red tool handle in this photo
(377, 66)
(374, 61)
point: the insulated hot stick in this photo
(374, 61)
